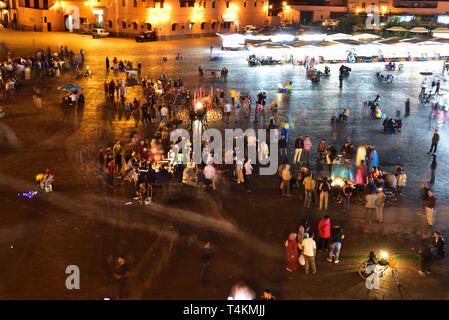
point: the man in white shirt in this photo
(402, 180)
(209, 174)
(308, 250)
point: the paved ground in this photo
(83, 223)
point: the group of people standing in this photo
(301, 247)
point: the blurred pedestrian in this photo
(380, 202)
(206, 257)
(309, 186)
(324, 232)
(121, 273)
(337, 236)
(107, 64)
(324, 193)
(437, 246)
(286, 176)
(248, 172)
(433, 167)
(309, 252)
(424, 251)
(407, 107)
(430, 208)
(370, 206)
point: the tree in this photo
(347, 22)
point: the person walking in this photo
(209, 175)
(437, 246)
(347, 193)
(430, 208)
(308, 246)
(307, 146)
(283, 148)
(324, 193)
(324, 232)
(206, 257)
(425, 253)
(309, 186)
(407, 107)
(435, 140)
(117, 153)
(107, 64)
(299, 146)
(433, 167)
(286, 176)
(437, 90)
(292, 252)
(370, 205)
(380, 202)
(337, 236)
(106, 89)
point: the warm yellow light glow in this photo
(86, 3)
(231, 13)
(197, 14)
(284, 3)
(57, 5)
(384, 255)
(158, 15)
(271, 6)
(383, 9)
(358, 10)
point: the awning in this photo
(397, 29)
(440, 30)
(419, 30)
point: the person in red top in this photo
(292, 252)
(110, 172)
(324, 232)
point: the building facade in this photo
(426, 10)
(169, 18)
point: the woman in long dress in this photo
(361, 155)
(292, 252)
(360, 177)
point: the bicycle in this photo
(367, 267)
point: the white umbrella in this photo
(365, 36)
(397, 29)
(419, 30)
(440, 30)
(338, 36)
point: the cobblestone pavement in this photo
(82, 223)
